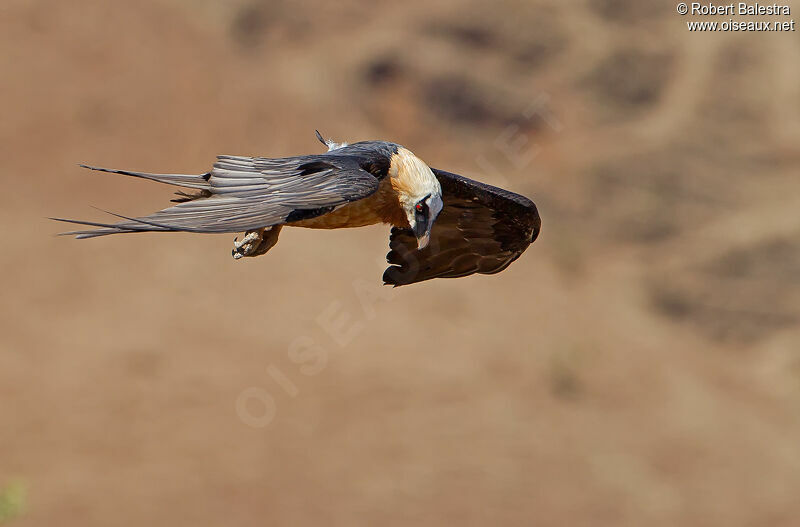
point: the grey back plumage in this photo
(245, 193)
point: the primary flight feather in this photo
(443, 225)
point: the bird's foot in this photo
(249, 244)
(256, 243)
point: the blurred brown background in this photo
(639, 365)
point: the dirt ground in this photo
(639, 365)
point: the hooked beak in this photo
(422, 241)
(423, 234)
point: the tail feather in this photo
(198, 181)
(106, 228)
(131, 225)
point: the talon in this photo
(248, 246)
(248, 238)
(255, 243)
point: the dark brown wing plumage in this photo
(481, 229)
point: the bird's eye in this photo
(419, 207)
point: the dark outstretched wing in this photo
(245, 193)
(481, 229)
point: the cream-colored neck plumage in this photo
(411, 178)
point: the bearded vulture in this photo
(443, 225)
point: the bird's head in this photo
(419, 193)
(423, 215)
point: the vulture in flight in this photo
(443, 225)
